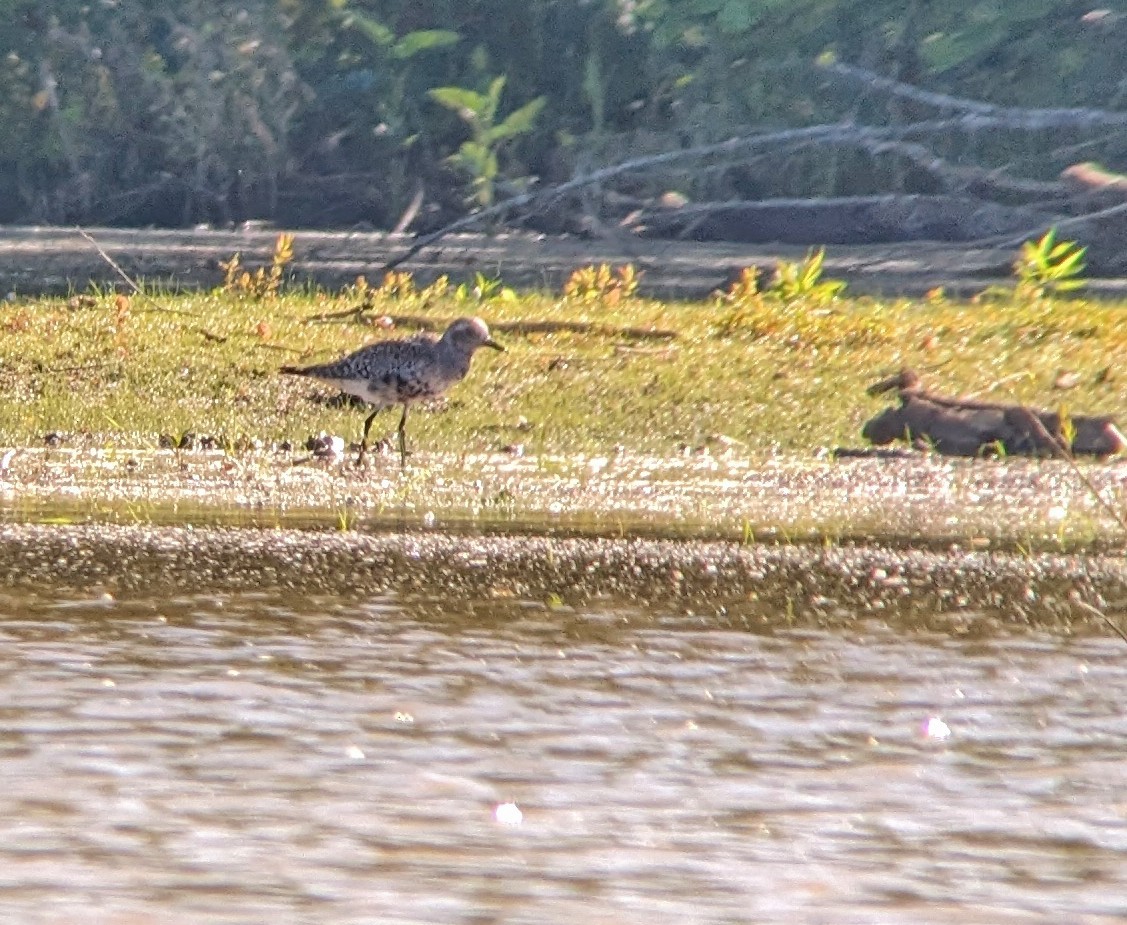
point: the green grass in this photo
(776, 377)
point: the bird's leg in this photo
(403, 439)
(364, 439)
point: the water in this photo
(221, 759)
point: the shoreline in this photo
(912, 500)
(814, 540)
(745, 585)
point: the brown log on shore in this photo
(963, 427)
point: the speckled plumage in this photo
(402, 372)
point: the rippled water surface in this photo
(253, 758)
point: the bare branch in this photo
(1014, 117)
(1062, 224)
(958, 176)
(156, 306)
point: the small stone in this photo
(1066, 379)
(508, 814)
(935, 728)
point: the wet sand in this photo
(826, 585)
(819, 539)
(911, 499)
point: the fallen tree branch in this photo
(1063, 224)
(1033, 119)
(956, 176)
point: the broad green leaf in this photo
(460, 99)
(519, 121)
(493, 97)
(1073, 260)
(473, 155)
(372, 28)
(423, 40)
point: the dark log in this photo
(948, 431)
(845, 220)
(962, 427)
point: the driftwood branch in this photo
(828, 134)
(874, 219)
(968, 427)
(1005, 116)
(1065, 224)
(960, 177)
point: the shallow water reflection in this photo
(246, 758)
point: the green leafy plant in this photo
(484, 289)
(346, 519)
(478, 156)
(1048, 267)
(401, 48)
(803, 280)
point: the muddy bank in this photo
(38, 260)
(835, 585)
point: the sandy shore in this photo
(820, 539)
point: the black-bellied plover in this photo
(402, 372)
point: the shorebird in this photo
(402, 372)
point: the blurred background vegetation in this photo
(343, 113)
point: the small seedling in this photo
(803, 280)
(483, 289)
(1047, 267)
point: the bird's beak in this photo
(492, 343)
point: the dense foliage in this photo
(336, 112)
